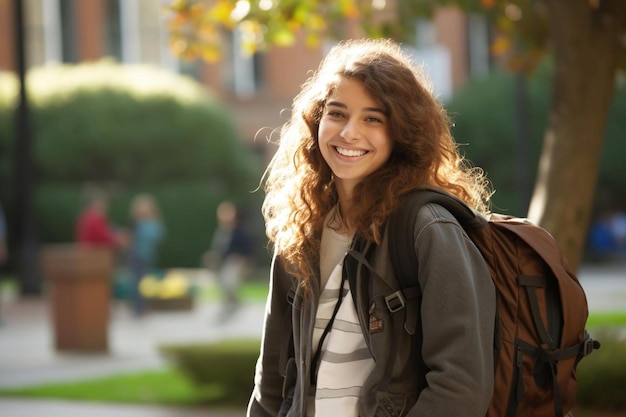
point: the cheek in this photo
(324, 135)
(328, 127)
(322, 131)
(385, 144)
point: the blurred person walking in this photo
(230, 255)
(93, 226)
(147, 234)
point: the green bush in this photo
(484, 117)
(128, 124)
(128, 129)
(229, 364)
(612, 179)
(602, 375)
(485, 124)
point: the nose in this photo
(351, 130)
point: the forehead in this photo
(350, 90)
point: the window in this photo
(68, 32)
(247, 70)
(113, 30)
(478, 38)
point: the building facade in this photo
(255, 89)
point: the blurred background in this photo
(111, 106)
(120, 98)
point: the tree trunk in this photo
(586, 48)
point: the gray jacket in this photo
(444, 369)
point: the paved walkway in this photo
(11, 407)
(27, 354)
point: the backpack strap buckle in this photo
(395, 302)
(589, 345)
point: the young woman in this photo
(365, 130)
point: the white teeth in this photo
(350, 152)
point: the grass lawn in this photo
(167, 387)
(250, 292)
(606, 319)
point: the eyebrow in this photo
(343, 106)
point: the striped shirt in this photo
(345, 360)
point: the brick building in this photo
(453, 47)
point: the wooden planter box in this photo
(79, 281)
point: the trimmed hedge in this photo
(602, 375)
(229, 364)
(128, 129)
(127, 124)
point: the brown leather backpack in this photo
(541, 306)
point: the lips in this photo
(350, 152)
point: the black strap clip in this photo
(395, 302)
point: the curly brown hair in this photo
(299, 184)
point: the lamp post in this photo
(26, 244)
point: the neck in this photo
(344, 203)
(344, 221)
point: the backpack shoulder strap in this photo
(401, 226)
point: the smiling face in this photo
(353, 135)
